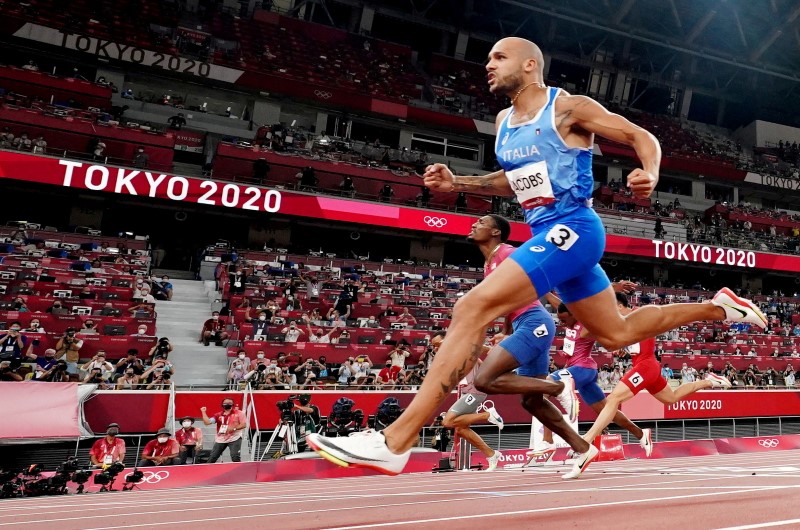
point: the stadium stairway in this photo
(181, 320)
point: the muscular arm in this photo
(495, 183)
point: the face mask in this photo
(112, 432)
(262, 317)
(227, 406)
(129, 373)
(260, 355)
(215, 317)
(15, 330)
(163, 439)
(241, 356)
(388, 365)
(142, 331)
(187, 424)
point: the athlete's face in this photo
(483, 230)
(567, 319)
(436, 342)
(504, 69)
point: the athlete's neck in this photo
(489, 248)
(528, 97)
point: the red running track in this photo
(731, 492)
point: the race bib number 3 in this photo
(531, 184)
(562, 236)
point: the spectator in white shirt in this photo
(292, 332)
(399, 355)
(318, 336)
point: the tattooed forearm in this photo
(493, 182)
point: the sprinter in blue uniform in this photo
(544, 146)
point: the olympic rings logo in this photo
(769, 443)
(323, 94)
(153, 477)
(434, 222)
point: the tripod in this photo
(285, 430)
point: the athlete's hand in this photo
(438, 177)
(625, 286)
(642, 183)
(495, 340)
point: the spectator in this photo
(22, 143)
(370, 322)
(398, 356)
(388, 374)
(109, 449)
(89, 328)
(177, 122)
(666, 372)
(128, 380)
(95, 376)
(9, 371)
(363, 375)
(261, 170)
(141, 159)
(307, 373)
(688, 374)
(238, 369)
(98, 150)
(145, 296)
(308, 179)
(34, 326)
(162, 290)
(68, 348)
(141, 331)
(161, 451)
(56, 374)
(292, 332)
(190, 441)
(347, 372)
(39, 145)
(32, 66)
(99, 362)
(12, 342)
(461, 202)
(749, 379)
(230, 424)
(347, 188)
(47, 361)
(318, 336)
(789, 377)
(214, 329)
(407, 317)
(313, 287)
(386, 193)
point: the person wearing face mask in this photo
(109, 449)
(128, 380)
(141, 159)
(259, 360)
(371, 322)
(68, 348)
(89, 328)
(238, 369)
(190, 441)
(12, 342)
(34, 326)
(260, 326)
(47, 361)
(162, 451)
(230, 424)
(20, 305)
(214, 329)
(57, 309)
(292, 332)
(162, 290)
(318, 336)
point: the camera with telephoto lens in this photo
(286, 407)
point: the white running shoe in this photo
(646, 441)
(361, 449)
(717, 381)
(739, 309)
(582, 463)
(494, 416)
(541, 448)
(567, 397)
(493, 460)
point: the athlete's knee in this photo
(475, 307)
(484, 383)
(533, 402)
(449, 421)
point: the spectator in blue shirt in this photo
(666, 372)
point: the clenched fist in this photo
(642, 183)
(438, 177)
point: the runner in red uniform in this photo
(645, 375)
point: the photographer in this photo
(363, 376)
(190, 440)
(159, 375)
(12, 342)
(292, 332)
(306, 418)
(109, 449)
(128, 380)
(162, 348)
(68, 348)
(347, 371)
(130, 362)
(56, 374)
(162, 451)
(230, 424)
(307, 373)
(398, 356)
(95, 377)
(257, 378)
(441, 434)
(237, 369)
(99, 362)
(8, 370)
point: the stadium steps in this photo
(181, 320)
(174, 274)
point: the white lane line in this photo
(543, 510)
(785, 522)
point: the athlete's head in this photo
(513, 63)
(623, 304)
(437, 340)
(565, 317)
(488, 228)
